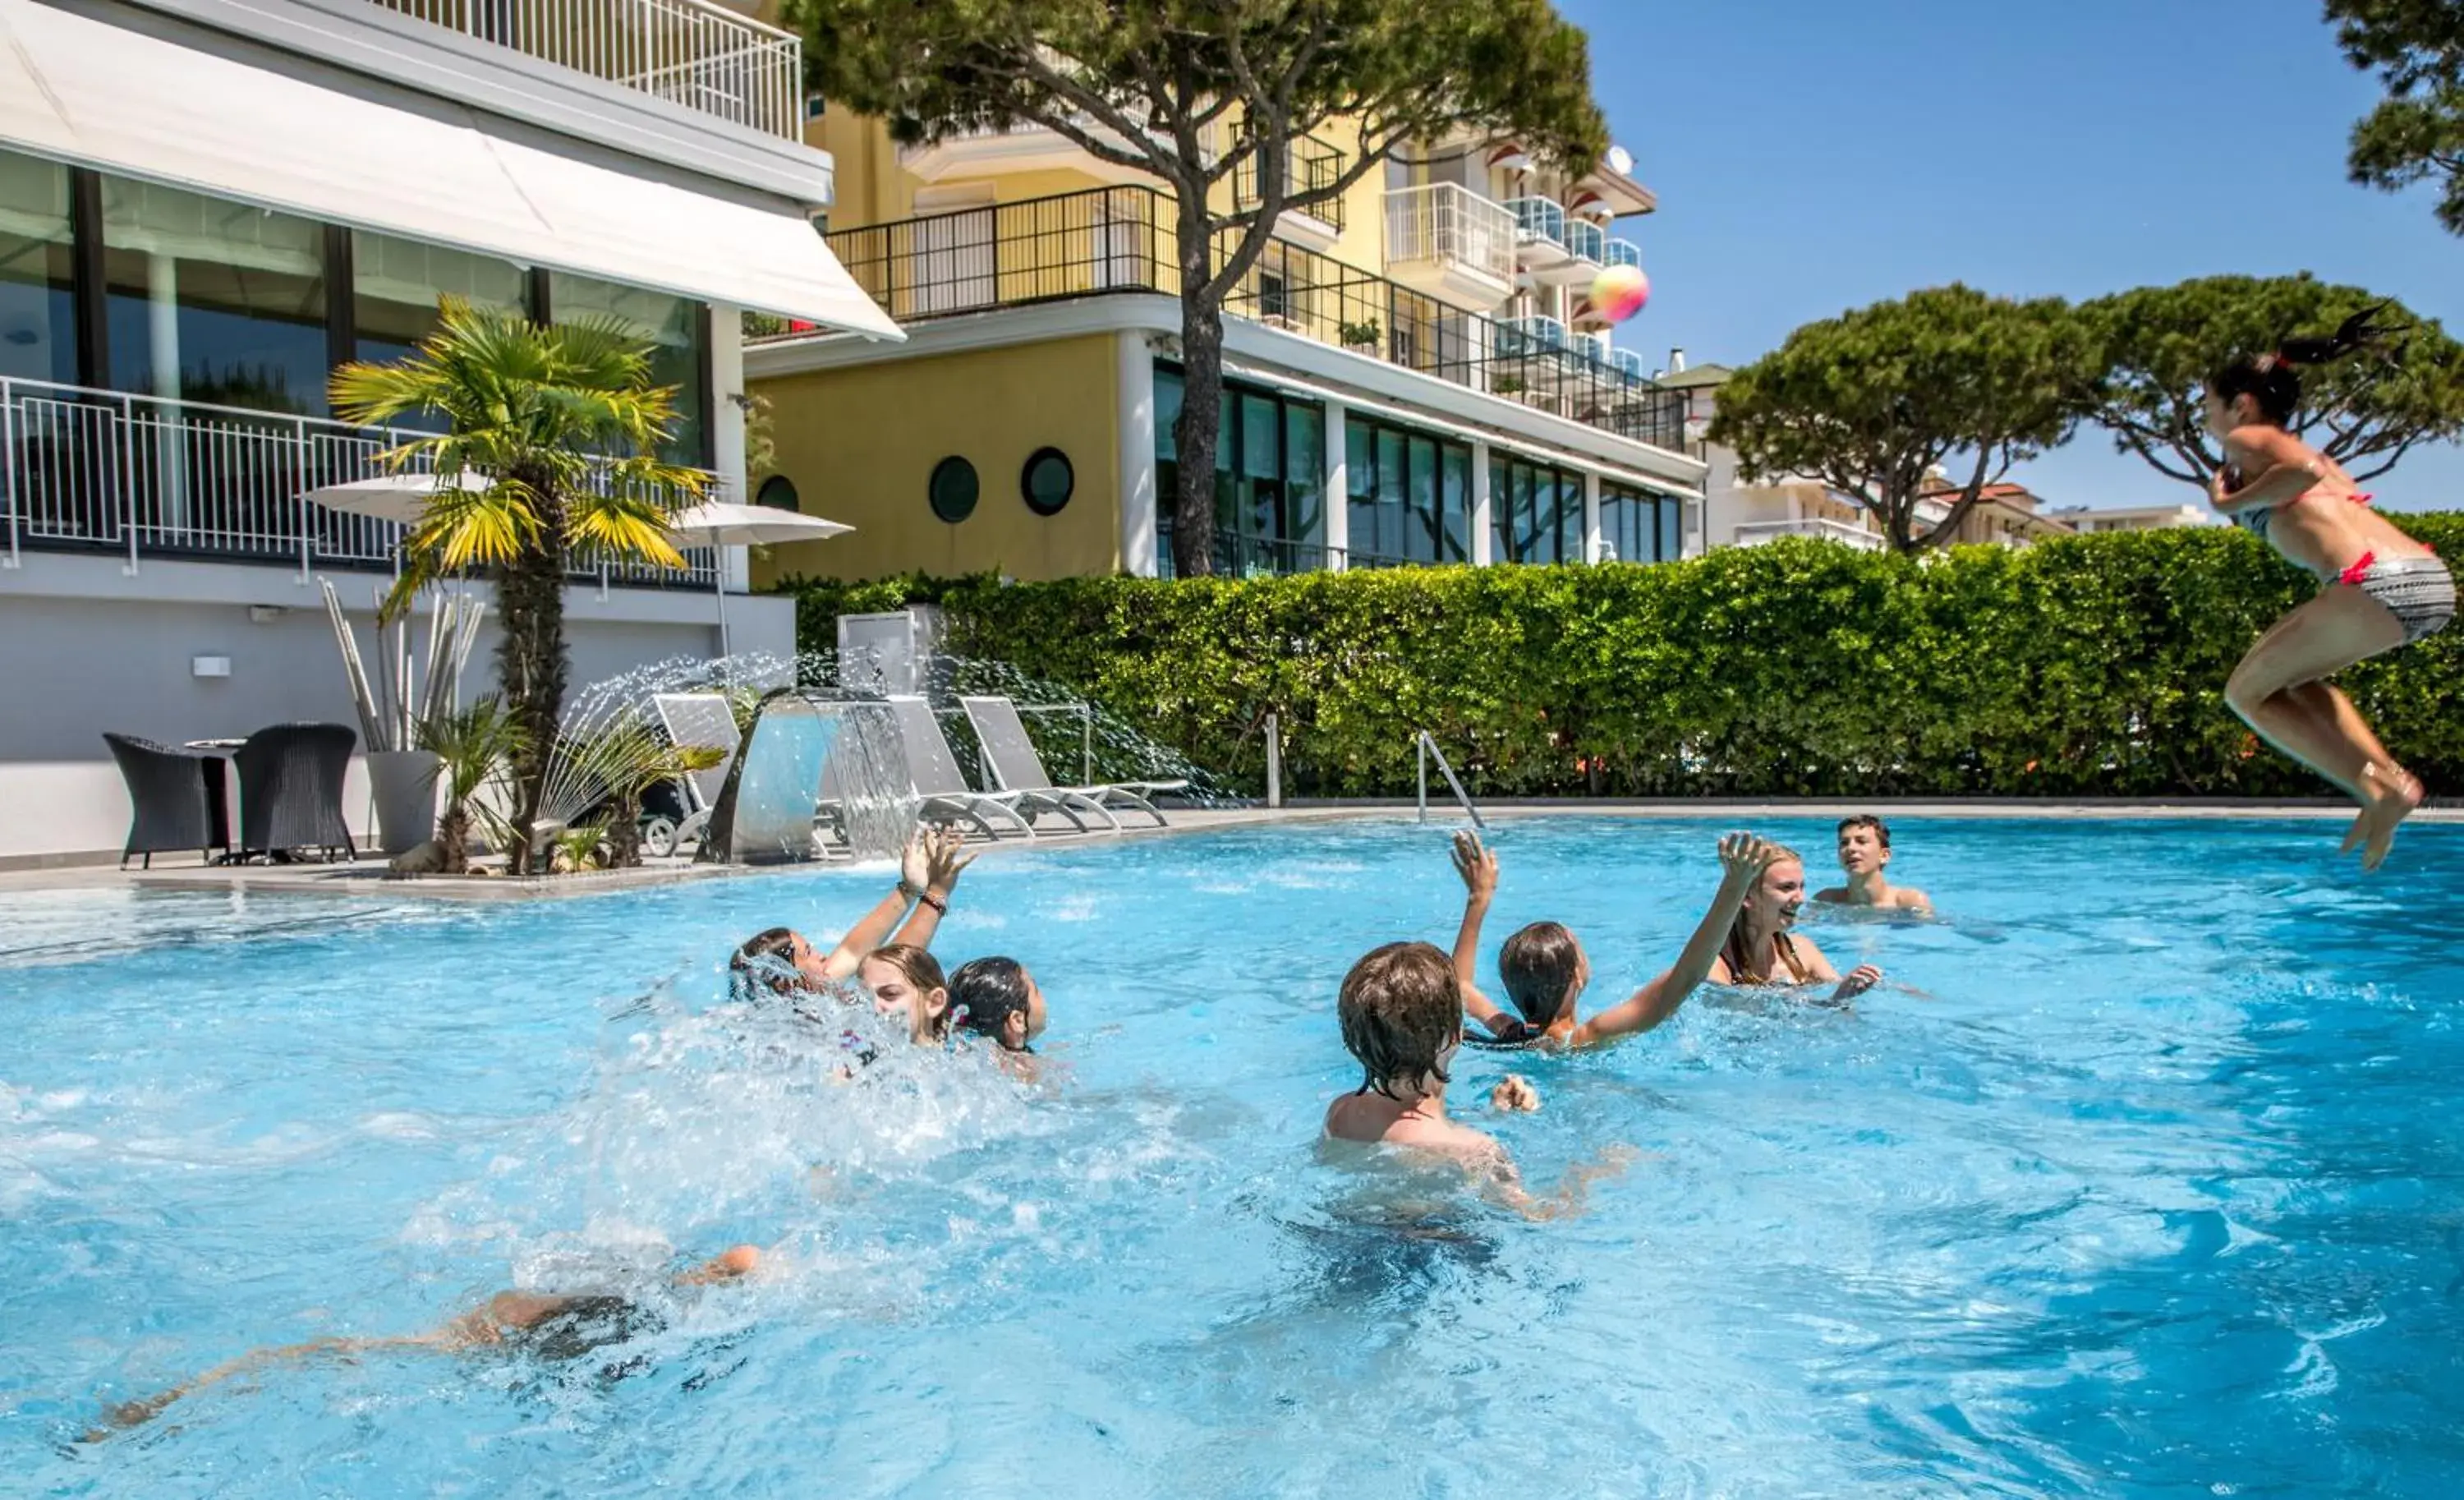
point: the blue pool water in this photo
(2148, 1188)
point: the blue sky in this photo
(1815, 154)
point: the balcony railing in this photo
(136, 476)
(1623, 252)
(1587, 241)
(1822, 528)
(1309, 165)
(1120, 239)
(1449, 222)
(1539, 218)
(692, 53)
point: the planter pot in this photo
(403, 783)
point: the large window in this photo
(678, 335)
(395, 284)
(214, 301)
(1535, 511)
(1269, 478)
(1410, 495)
(1639, 526)
(37, 272)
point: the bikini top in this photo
(2255, 518)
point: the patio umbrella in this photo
(719, 524)
(397, 497)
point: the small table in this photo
(211, 764)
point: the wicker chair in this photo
(175, 799)
(291, 790)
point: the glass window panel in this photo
(1262, 448)
(395, 284)
(1535, 498)
(1360, 480)
(1423, 531)
(1500, 512)
(37, 272)
(1454, 499)
(1167, 416)
(1672, 530)
(1570, 519)
(1305, 473)
(214, 301)
(1391, 488)
(674, 328)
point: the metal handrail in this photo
(1428, 746)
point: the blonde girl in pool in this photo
(2378, 588)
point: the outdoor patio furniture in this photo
(695, 721)
(942, 790)
(291, 790)
(176, 799)
(1011, 760)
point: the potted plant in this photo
(472, 745)
(1360, 335)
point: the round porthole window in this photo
(778, 492)
(953, 488)
(1047, 481)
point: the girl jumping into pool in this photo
(1545, 968)
(2378, 589)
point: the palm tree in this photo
(555, 430)
(469, 745)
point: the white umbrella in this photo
(398, 497)
(716, 523)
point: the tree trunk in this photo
(530, 660)
(1198, 428)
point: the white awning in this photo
(196, 109)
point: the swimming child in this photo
(1401, 1014)
(778, 960)
(1759, 948)
(2378, 588)
(1865, 853)
(544, 1325)
(996, 999)
(907, 981)
(1545, 969)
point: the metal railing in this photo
(692, 53)
(1239, 555)
(1623, 252)
(103, 470)
(1753, 533)
(1538, 218)
(1120, 239)
(1587, 241)
(1447, 221)
(1427, 746)
(1309, 165)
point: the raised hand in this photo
(1745, 855)
(1477, 865)
(914, 861)
(1860, 978)
(945, 859)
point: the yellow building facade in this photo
(1414, 375)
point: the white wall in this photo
(73, 665)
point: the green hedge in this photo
(2088, 665)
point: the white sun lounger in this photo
(1011, 760)
(941, 789)
(699, 721)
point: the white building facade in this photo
(207, 206)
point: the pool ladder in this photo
(1428, 749)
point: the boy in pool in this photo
(1545, 969)
(1865, 853)
(1403, 1017)
(547, 1325)
(781, 962)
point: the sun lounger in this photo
(1011, 761)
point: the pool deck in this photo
(367, 878)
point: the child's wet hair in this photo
(1538, 965)
(986, 992)
(922, 973)
(1867, 820)
(1400, 1009)
(2273, 381)
(765, 964)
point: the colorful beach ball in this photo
(1620, 291)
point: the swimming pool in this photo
(2152, 1191)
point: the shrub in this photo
(2089, 665)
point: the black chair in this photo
(291, 790)
(175, 797)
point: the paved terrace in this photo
(367, 878)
